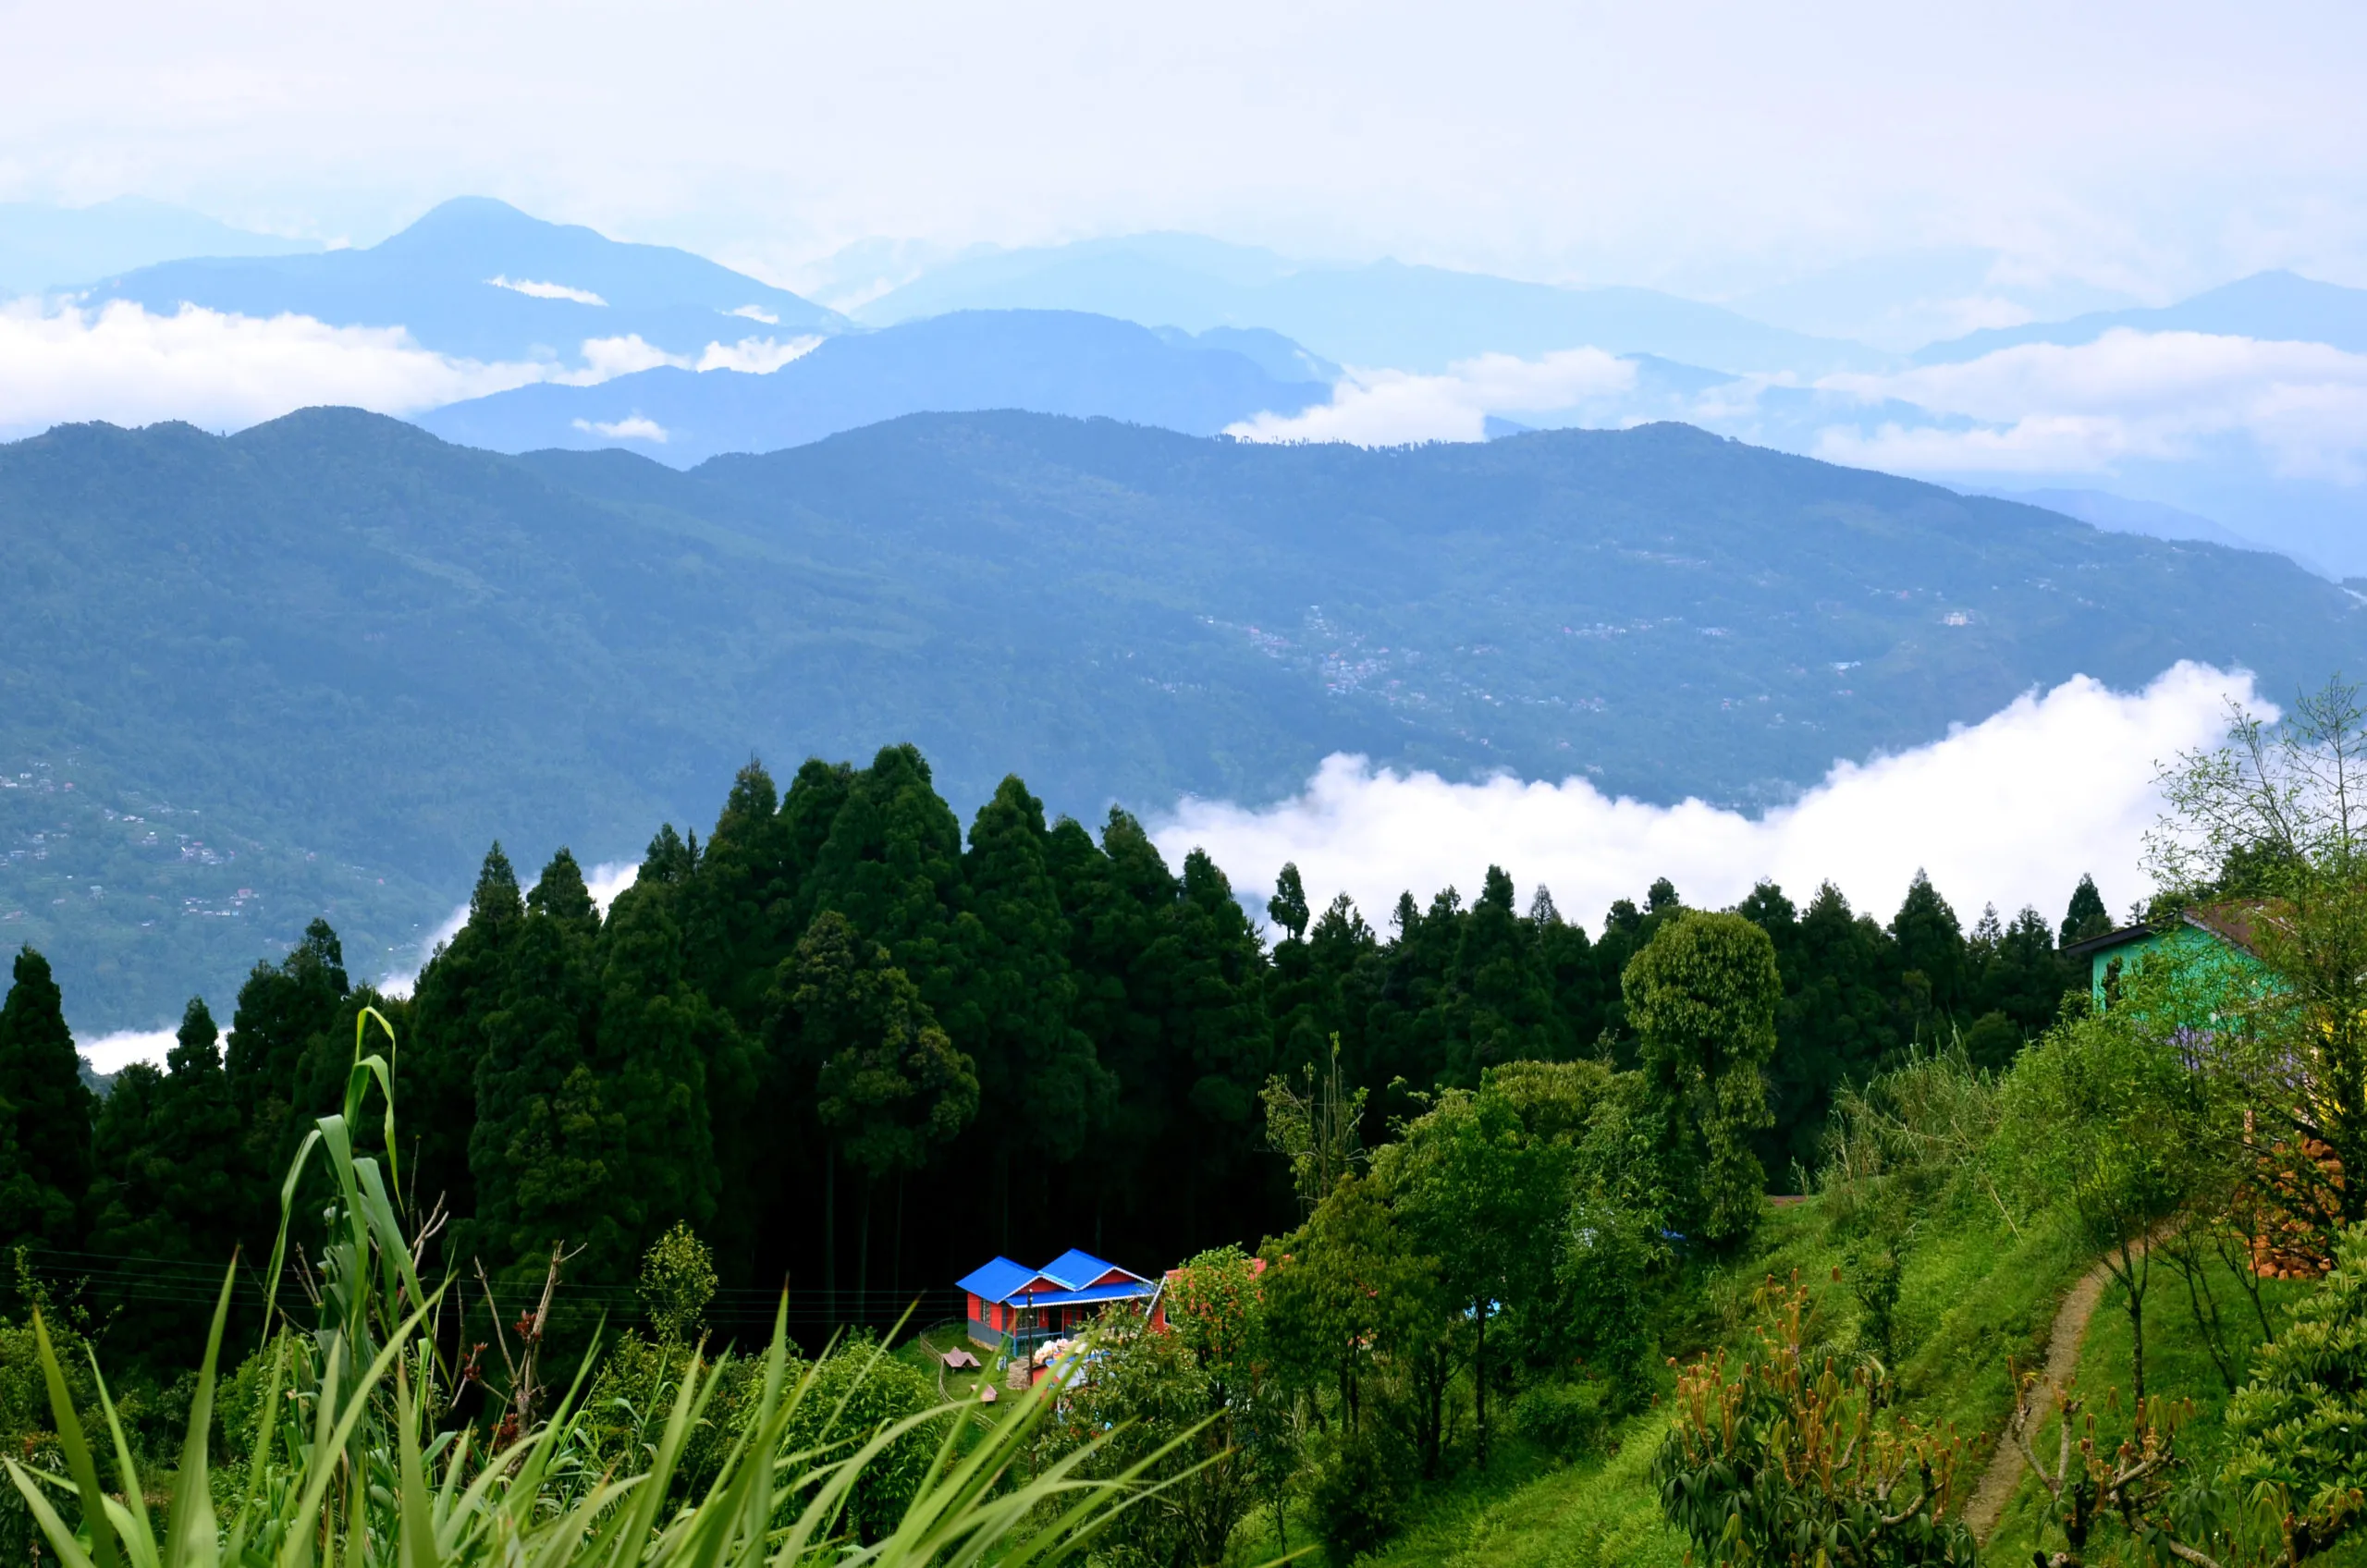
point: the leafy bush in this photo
(1775, 1461)
(1562, 1419)
(1357, 1496)
(2300, 1425)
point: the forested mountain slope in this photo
(1050, 362)
(357, 653)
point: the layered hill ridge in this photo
(317, 665)
(478, 279)
(1045, 362)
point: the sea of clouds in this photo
(2032, 409)
(60, 361)
(2010, 811)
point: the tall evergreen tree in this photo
(457, 990)
(1931, 943)
(1042, 1090)
(173, 1183)
(1703, 997)
(657, 1038)
(1507, 1011)
(2086, 916)
(284, 1012)
(546, 1150)
(889, 1086)
(41, 1080)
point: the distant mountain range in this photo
(2276, 306)
(1046, 362)
(1221, 333)
(315, 666)
(44, 247)
(1379, 313)
(479, 279)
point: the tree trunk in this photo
(830, 1236)
(1479, 1383)
(863, 1256)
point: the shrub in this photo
(1562, 1419)
(1773, 1460)
(1357, 1495)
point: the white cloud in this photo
(1391, 408)
(608, 358)
(112, 1053)
(122, 364)
(2009, 811)
(2158, 394)
(546, 290)
(757, 313)
(634, 427)
(756, 356)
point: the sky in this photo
(2123, 151)
(1711, 148)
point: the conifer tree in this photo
(546, 1150)
(172, 1181)
(460, 987)
(2086, 916)
(1041, 1089)
(1931, 943)
(1506, 1009)
(42, 1082)
(656, 1036)
(284, 1010)
(889, 1086)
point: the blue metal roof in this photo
(1076, 1269)
(1130, 1290)
(999, 1280)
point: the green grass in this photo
(1973, 1294)
(2177, 1365)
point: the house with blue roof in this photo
(1012, 1308)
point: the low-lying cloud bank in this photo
(2160, 396)
(61, 363)
(2010, 811)
(2033, 408)
(1393, 408)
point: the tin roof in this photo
(1127, 1290)
(999, 1281)
(1077, 1269)
(1073, 1277)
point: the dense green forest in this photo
(857, 1053)
(304, 669)
(2089, 1288)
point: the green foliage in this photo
(1702, 998)
(2300, 1426)
(677, 1281)
(1779, 1457)
(173, 1183)
(1314, 1125)
(1357, 1495)
(2114, 1119)
(1191, 1409)
(45, 1155)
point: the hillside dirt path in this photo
(2005, 1471)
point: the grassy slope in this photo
(2177, 1365)
(1973, 1295)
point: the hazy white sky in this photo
(2156, 147)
